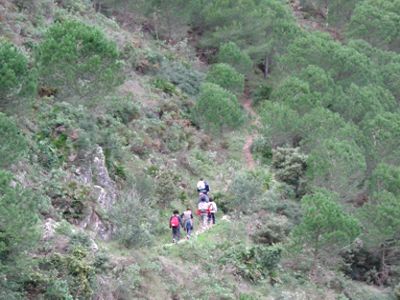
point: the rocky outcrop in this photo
(48, 229)
(93, 173)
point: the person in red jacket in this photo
(175, 223)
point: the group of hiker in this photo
(206, 210)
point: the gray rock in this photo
(93, 172)
(48, 229)
(105, 185)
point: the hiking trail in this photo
(247, 105)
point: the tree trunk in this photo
(266, 67)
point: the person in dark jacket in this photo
(175, 223)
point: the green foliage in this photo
(338, 166)
(65, 129)
(128, 282)
(74, 272)
(78, 61)
(391, 77)
(344, 64)
(166, 180)
(15, 77)
(217, 109)
(13, 144)
(18, 208)
(124, 109)
(320, 124)
(133, 217)
(58, 289)
(229, 53)
(72, 201)
(182, 75)
(164, 85)
(385, 178)
(19, 233)
(290, 166)
(261, 93)
(227, 77)
(253, 263)
(382, 139)
(325, 227)
(262, 29)
(246, 190)
(262, 150)
(358, 103)
(295, 93)
(377, 22)
(280, 125)
(270, 229)
(381, 219)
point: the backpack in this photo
(174, 222)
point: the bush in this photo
(164, 85)
(326, 228)
(262, 149)
(133, 219)
(124, 109)
(246, 190)
(262, 93)
(13, 144)
(19, 234)
(230, 53)
(280, 124)
(14, 74)
(75, 275)
(182, 75)
(166, 181)
(290, 166)
(78, 61)
(270, 229)
(227, 77)
(64, 129)
(253, 263)
(217, 109)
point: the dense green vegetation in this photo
(110, 111)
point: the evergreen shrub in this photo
(182, 75)
(133, 219)
(15, 77)
(13, 144)
(227, 77)
(217, 109)
(229, 53)
(78, 61)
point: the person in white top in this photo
(202, 186)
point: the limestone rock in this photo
(48, 229)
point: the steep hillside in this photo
(111, 111)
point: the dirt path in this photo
(247, 105)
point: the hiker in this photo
(175, 223)
(203, 197)
(212, 207)
(187, 221)
(203, 186)
(203, 213)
